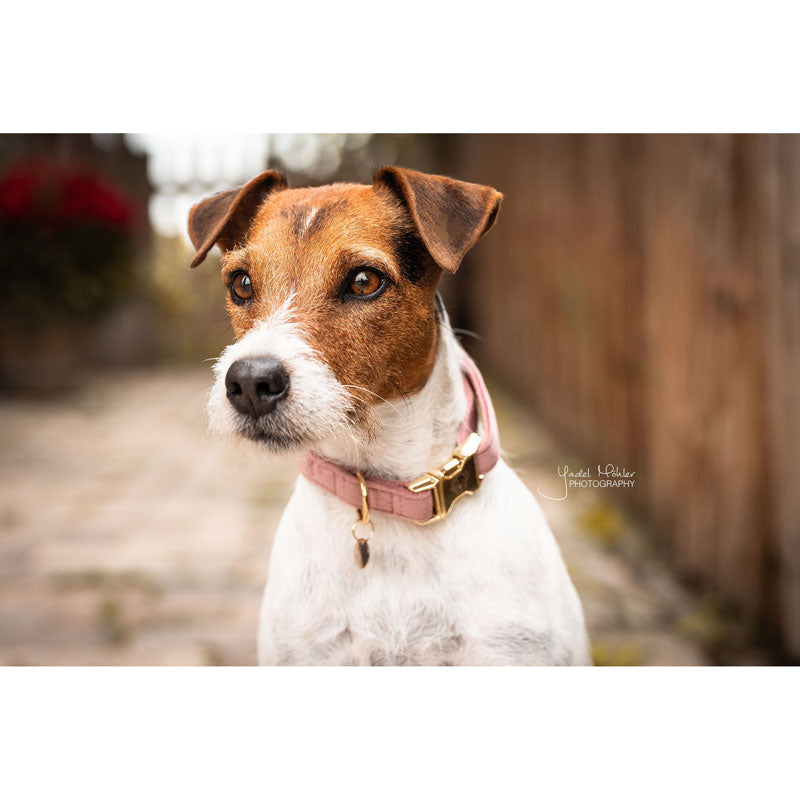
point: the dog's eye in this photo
(365, 282)
(241, 288)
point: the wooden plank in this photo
(782, 293)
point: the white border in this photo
(504, 733)
(689, 65)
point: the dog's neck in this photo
(410, 436)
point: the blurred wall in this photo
(643, 292)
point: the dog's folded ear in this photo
(225, 218)
(449, 215)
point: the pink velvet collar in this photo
(433, 494)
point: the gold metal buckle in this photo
(455, 479)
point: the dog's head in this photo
(331, 295)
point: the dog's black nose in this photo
(255, 385)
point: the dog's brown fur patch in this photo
(304, 243)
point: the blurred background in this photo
(636, 304)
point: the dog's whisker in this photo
(465, 332)
(405, 395)
(225, 331)
(364, 389)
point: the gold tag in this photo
(361, 553)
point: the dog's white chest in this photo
(485, 586)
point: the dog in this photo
(407, 540)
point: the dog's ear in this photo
(450, 215)
(225, 218)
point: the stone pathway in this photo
(129, 536)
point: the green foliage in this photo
(619, 654)
(603, 523)
(111, 623)
(708, 624)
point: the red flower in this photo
(85, 198)
(47, 192)
(18, 192)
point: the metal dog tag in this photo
(361, 553)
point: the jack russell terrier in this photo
(344, 351)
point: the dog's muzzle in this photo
(254, 386)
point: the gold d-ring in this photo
(362, 538)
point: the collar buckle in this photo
(455, 479)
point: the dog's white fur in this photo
(317, 407)
(485, 586)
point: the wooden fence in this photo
(643, 292)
